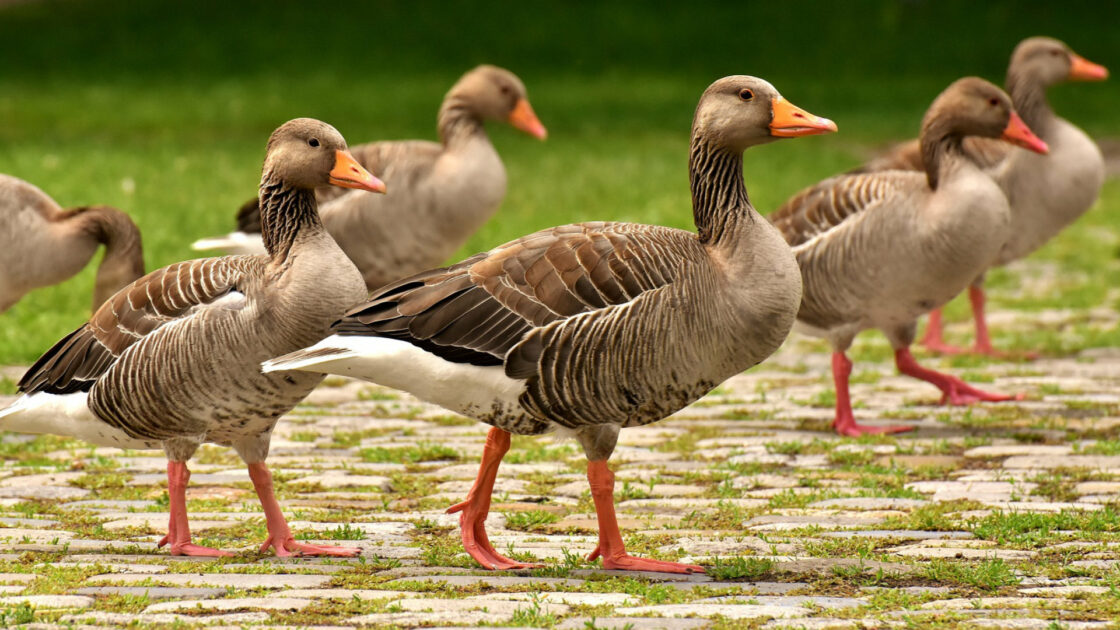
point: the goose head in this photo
(495, 93)
(306, 153)
(974, 107)
(737, 112)
(1047, 61)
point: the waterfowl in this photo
(173, 360)
(592, 327)
(42, 244)
(1046, 192)
(440, 193)
(878, 250)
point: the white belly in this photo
(68, 415)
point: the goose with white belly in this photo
(592, 327)
(173, 360)
(440, 193)
(878, 250)
(1046, 192)
(42, 244)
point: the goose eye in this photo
(746, 95)
(993, 101)
(314, 143)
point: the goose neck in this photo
(719, 196)
(458, 123)
(1028, 95)
(286, 212)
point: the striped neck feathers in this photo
(719, 196)
(941, 149)
(285, 212)
(1028, 95)
(458, 121)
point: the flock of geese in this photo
(580, 329)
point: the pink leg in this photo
(983, 343)
(472, 520)
(611, 548)
(279, 535)
(179, 529)
(953, 389)
(934, 339)
(845, 422)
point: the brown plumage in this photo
(592, 327)
(439, 192)
(878, 250)
(1046, 193)
(172, 360)
(41, 244)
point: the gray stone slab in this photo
(794, 600)
(729, 611)
(495, 581)
(233, 603)
(221, 580)
(904, 534)
(47, 601)
(153, 592)
(633, 623)
(869, 503)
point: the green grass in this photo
(163, 109)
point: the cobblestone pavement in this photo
(998, 515)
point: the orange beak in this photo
(526, 120)
(1081, 69)
(347, 173)
(1019, 134)
(790, 121)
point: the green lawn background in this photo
(163, 108)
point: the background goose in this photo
(41, 244)
(441, 193)
(1046, 192)
(592, 327)
(173, 360)
(878, 250)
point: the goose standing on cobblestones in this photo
(440, 193)
(41, 244)
(1046, 192)
(173, 360)
(592, 327)
(878, 250)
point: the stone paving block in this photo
(1107, 463)
(233, 603)
(153, 592)
(413, 619)
(119, 620)
(47, 601)
(729, 611)
(345, 480)
(571, 599)
(223, 580)
(633, 623)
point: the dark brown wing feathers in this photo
(478, 310)
(79, 359)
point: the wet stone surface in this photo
(997, 515)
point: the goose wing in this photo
(160, 298)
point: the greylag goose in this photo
(173, 360)
(41, 244)
(440, 193)
(1046, 192)
(592, 327)
(878, 250)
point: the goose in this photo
(878, 250)
(42, 244)
(592, 327)
(441, 192)
(173, 360)
(1046, 192)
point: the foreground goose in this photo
(1046, 192)
(440, 193)
(878, 250)
(41, 244)
(592, 327)
(173, 360)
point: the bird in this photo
(588, 328)
(42, 244)
(441, 192)
(172, 361)
(1046, 192)
(878, 250)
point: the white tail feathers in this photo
(306, 358)
(233, 243)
